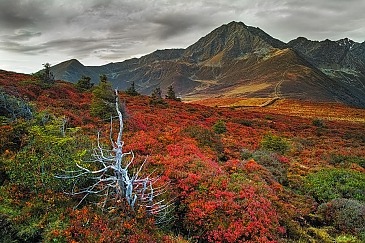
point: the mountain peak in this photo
(235, 24)
(236, 60)
(346, 42)
(71, 62)
(230, 41)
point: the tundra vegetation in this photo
(216, 174)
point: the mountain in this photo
(72, 70)
(231, 41)
(236, 60)
(342, 60)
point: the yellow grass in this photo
(247, 89)
(306, 109)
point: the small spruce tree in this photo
(47, 76)
(157, 97)
(132, 90)
(171, 94)
(103, 98)
(84, 83)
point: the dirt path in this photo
(277, 94)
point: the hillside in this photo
(259, 174)
(236, 60)
(341, 60)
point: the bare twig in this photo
(112, 179)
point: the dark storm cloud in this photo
(171, 25)
(80, 47)
(315, 19)
(18, 13)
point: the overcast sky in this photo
(97, 32)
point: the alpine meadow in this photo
(239, 137)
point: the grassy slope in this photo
(220, 192)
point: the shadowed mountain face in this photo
(236, 60)
(342, 60)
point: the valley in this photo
(239, 137)
(236, 60)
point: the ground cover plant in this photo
(233, 174)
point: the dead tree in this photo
(113, 179)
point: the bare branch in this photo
(109, 170)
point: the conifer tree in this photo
(171, 94)
(132, 90)
(84, 83)
(157, 96)
(102, 99)
(47, 76)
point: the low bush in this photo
(273, 162)
(343, 160)
(206, 138)
(345, 214)
(219, 127)
(275, 143)
(329, 184)
(318, 122)
(46, 153)
(12, 107)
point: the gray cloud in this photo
(21, 35)
(18, 13)
(315, 19)
(95, 31)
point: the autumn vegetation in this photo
(233, 174)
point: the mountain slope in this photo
(72, 70)
(230, 41)
(236, 60)
(342, 60)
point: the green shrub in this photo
(156, 97)
(275, 144)
(318, 122)
(171, 94)
(343, 160)
(47, 152)
(219, 127)
(330, 184)
(84, 83)
(8, 233)
(132, 90)
(347, 239)
(246, 154)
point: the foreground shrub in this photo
(347, 239)
(330, 184)
(318, 122)
(345, 214)
(277, 164)
(206, 138)
(13, 108)
(46, 151)
(239, 213)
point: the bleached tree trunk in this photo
(113, 179)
